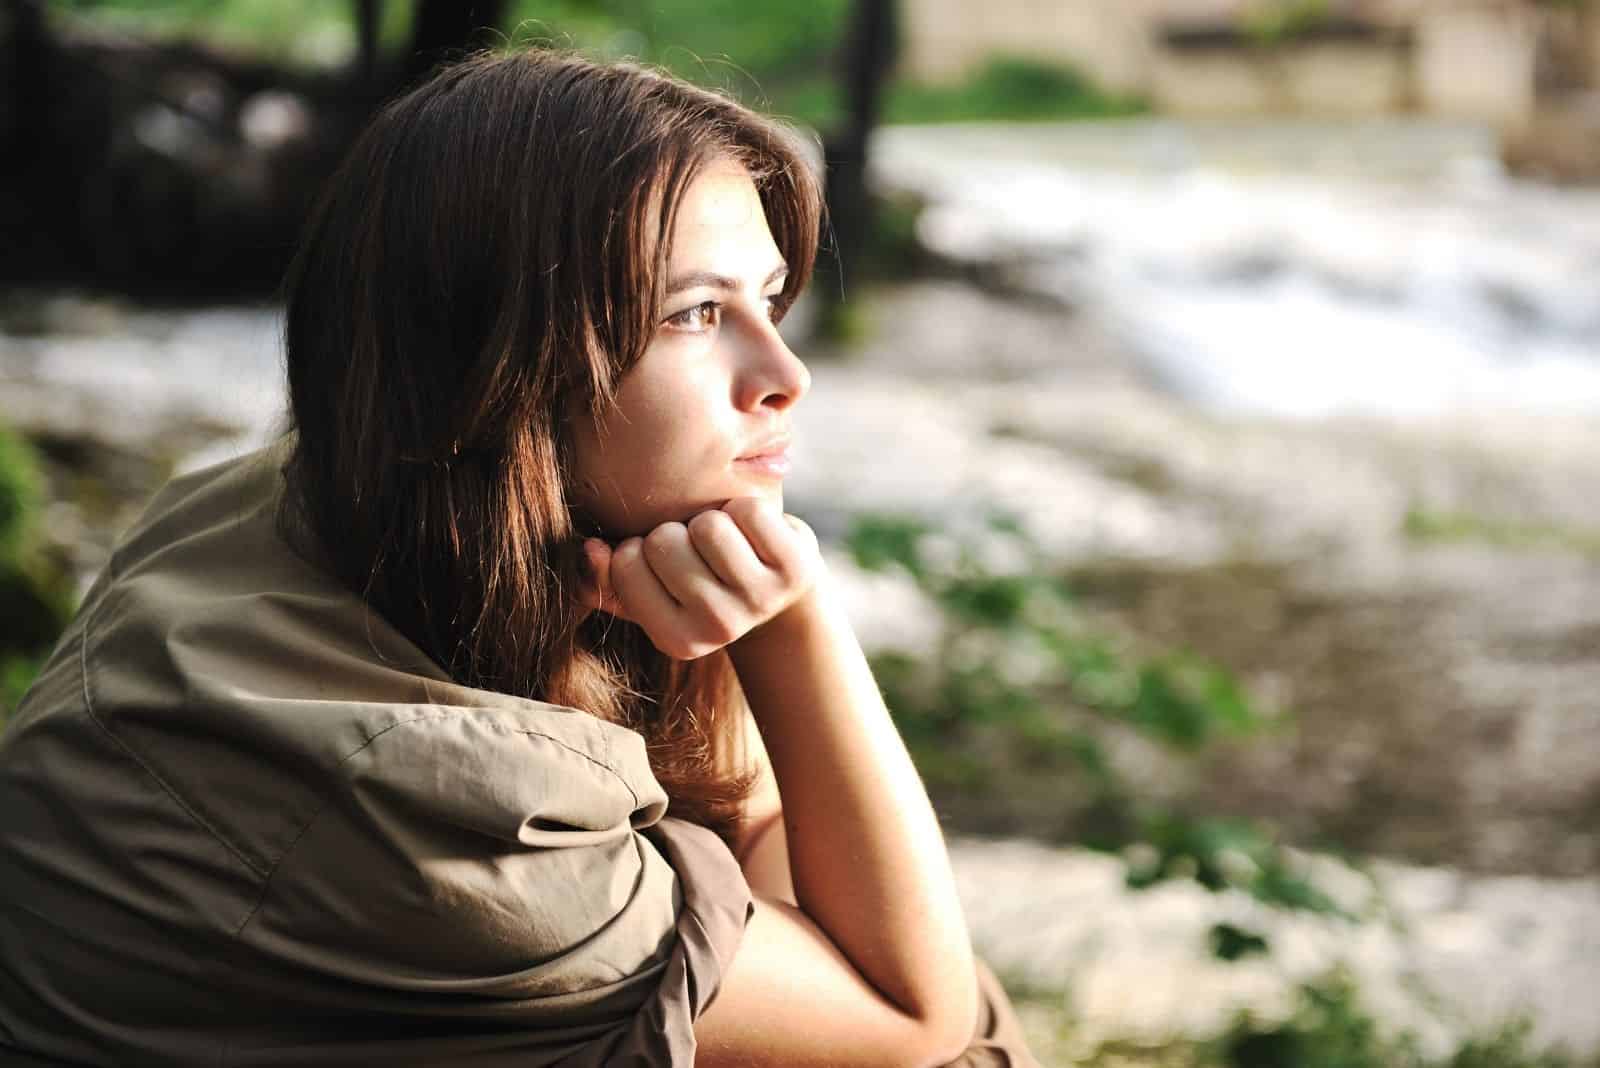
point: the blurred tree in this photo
(367, 40)
(129, 164)
(442, 27)
(159, 164)
(868, 54)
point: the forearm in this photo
(864, 849)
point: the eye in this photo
(701, 317)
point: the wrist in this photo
(806, 612)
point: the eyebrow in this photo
(718, 281)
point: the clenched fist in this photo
(697, 586)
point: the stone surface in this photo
(1451, 956)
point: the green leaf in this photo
(878, 542)
(21, 493)
(996, 601)
(1232, 943)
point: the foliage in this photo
(1017, 679)
(1511, 1046)
(1219, 854)
(779, 56)
(1277, 21)
(705, 40)
(33, 590)
(1425, 525)
(1009, 87)
(1235, 943)
(21, 494)
(284, 29)
(1330, 1028)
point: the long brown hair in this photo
(485, 267)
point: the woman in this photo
(360, 751)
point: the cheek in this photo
(670, 418)
(645, 469)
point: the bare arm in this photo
(872, 963)
(760, 844)
(865, 852)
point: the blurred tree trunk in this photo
(25, 63)
(444, 27)
(868, 56)
(367, 40)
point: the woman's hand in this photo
(698, 586)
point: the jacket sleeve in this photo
(482, 890)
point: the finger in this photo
(710, 609)
(595, 591)
(687, 577)
(727, 552)
(776, 542)
(642, 593)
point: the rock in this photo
(1561, 143)
(273, 118)
(1135, 965)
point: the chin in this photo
(764, 489)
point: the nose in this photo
(771, 374)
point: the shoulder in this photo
(284, 774)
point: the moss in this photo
(34, 589)
(1273, 23)
(1441, 527)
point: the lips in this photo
(772, 448)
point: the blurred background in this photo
(1203, 429)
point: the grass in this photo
(1329, 1027)
(1442, 527)
(308, 32)
(1009, 89)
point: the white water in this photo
(126, 374)
(1404, 277)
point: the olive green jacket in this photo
(244, 821)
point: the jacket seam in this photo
(132, 753)
(266, 884)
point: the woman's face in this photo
(716, 383)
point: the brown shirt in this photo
(244, 821)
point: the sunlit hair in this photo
(484, 268)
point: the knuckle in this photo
(698, 602)
(666, 536)
(707, 524)
(786, 562)
(753, 601)
(626, 556)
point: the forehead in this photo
(720, 215)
